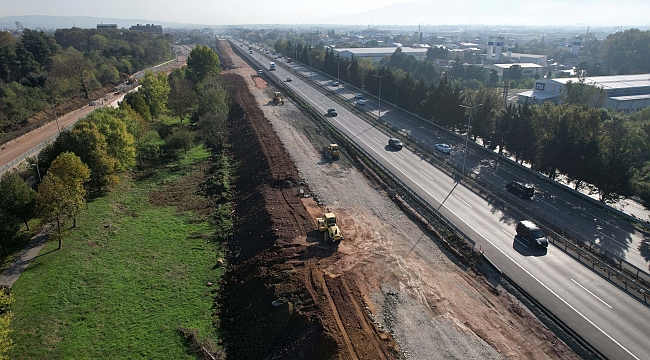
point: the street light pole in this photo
(379, 76)
(470, 108)
(338, 73)
(38, 171)
(56, 118)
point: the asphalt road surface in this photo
(609, 319)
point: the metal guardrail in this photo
(613, 275)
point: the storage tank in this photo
(575, 47)
(490, 51)
(498, 49)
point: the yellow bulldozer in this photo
(277, 98)
(327, 225)
(332, 152)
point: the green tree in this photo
(16, 197)
(71, 67)
(6, 344)
(148, 146)
(580, 93)
(202, 62)
(182, 97)
(614, 177)
(155, 90)
(120, 143)
(139, 105)
(180, 138)
(61, 194)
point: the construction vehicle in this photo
(277, 98)
(331, 152)
(327, 225)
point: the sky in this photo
(349, 12)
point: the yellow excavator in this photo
(332, 152)
(277, 98)
(327, 225)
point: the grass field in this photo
(130, 273)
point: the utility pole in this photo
(506, 84)
(470, 108)
(379, 76)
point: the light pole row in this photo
(470, 108)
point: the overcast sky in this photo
(356, 12)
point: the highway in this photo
(610, 320)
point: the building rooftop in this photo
(383, 50)
(613, 82)
(523, 65)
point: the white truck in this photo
(271, 65)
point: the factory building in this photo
(625, 93)
(376, 54)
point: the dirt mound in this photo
(275, 301)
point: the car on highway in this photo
(332, 112)
(395, 143)
(358, 96)
(336, 83)
(520, 189)
(260, 71)
(289, 79)
(530, 232)
(361, 102)
(443, 148)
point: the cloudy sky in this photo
(355, 12)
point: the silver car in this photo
(443, 148)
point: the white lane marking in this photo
(359, 126)
(592, 294)
(400, 156)
(464, 202)
(506, 231)
(498, 176)
(545, 286)
(425, 174)
(549, 204)
(373, 138)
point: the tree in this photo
(139, 105)
(614, 177)
(201, 63)
(120, 143)
(16, 197)
(61, 194)
(149, 146)
(73, 68)
(182, 97)
(155, 90)
(180, 138)
(6, 299)
(580, 93)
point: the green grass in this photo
(125, 279)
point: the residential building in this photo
(148, 28)
(106, 26)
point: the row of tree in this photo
(38, 70)
(577, 140)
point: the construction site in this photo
(327, 263)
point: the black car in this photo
(395, 143)
(332, 112)
(528, 231)
(520, 189)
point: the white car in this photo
(358, 96)
(361, 102)
(336, 83)
(443, 148)
(260, 71)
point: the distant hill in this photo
(46, 22)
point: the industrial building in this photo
(528, 69)
(625, 93)
(148, 28)
(376, 54)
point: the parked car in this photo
(289, 79)
(528, 231)
(358, 96)
(332, 112)
(521, 190)
(361, 102)
(443, 148)
(336, 83)
(395, 143)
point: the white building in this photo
(376, 54)
(528, 69)
(625, 93)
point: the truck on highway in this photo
(271, 65)
(250, 47)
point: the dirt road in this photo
(389, 290)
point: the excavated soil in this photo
(389, 290)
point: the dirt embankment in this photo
(276, 303)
